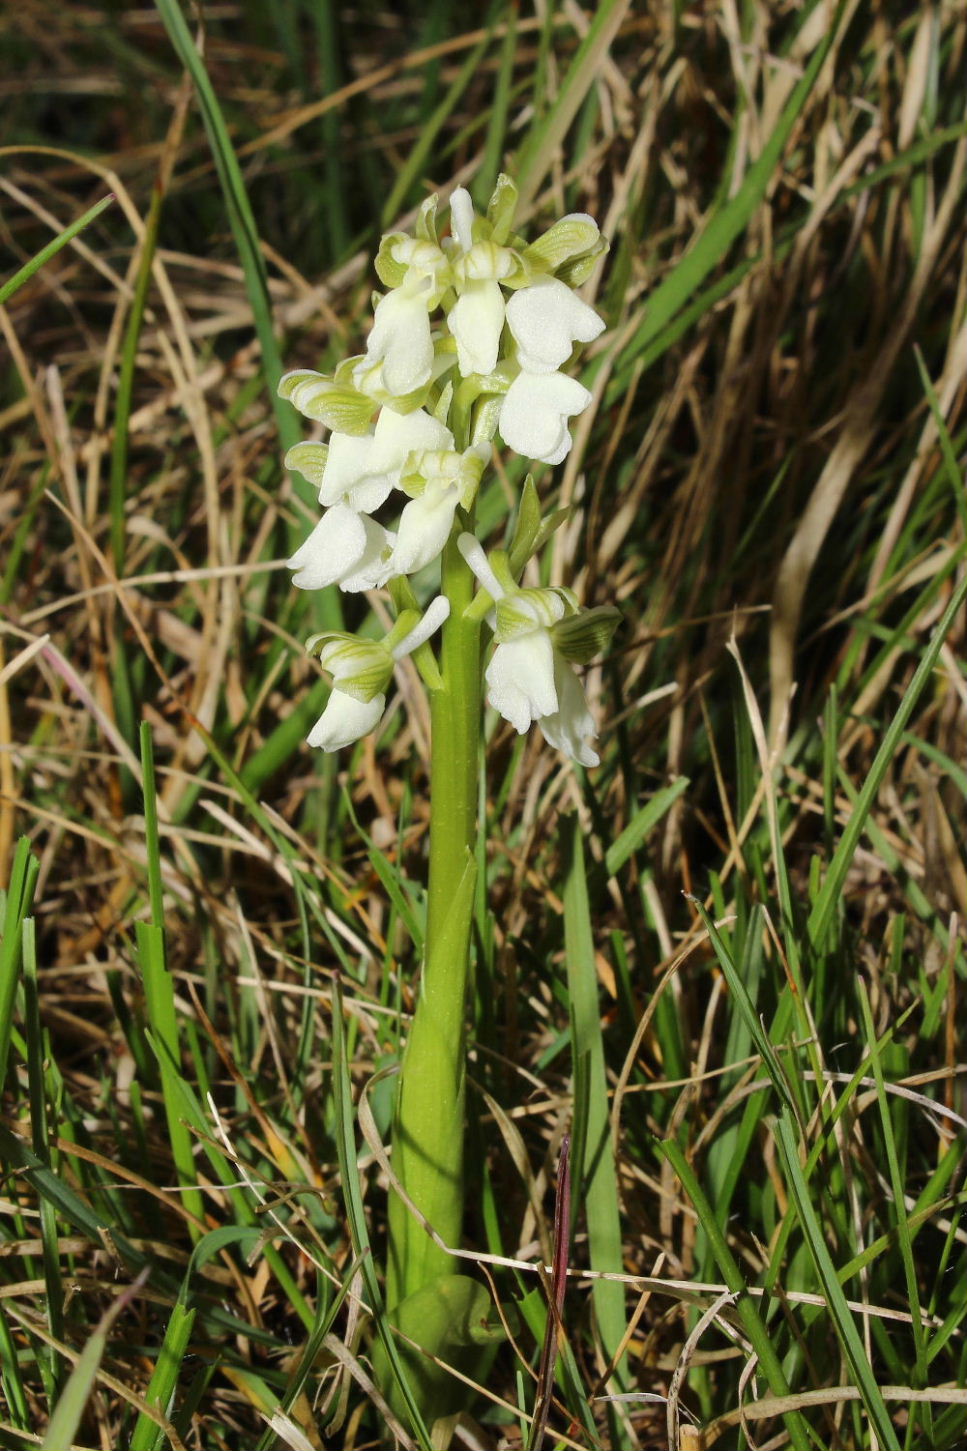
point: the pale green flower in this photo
(438, 481)
(534, 413)
(361, 672)
(529, 678)
(346, 548)
(546, 320)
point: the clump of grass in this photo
(727, 963)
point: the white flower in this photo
(345, 548)
(476, 321)
(477, 318)
(520, 679)
(424, 527)
(546, 320)
(345, 720)
(361, 672)
(570, 727)
(528, 678)
(534, 413)
(362, 470)
(399, 351)
(355, 475)
(440, 480)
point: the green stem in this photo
(429, 1133)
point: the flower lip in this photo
(345, 548)
(534, 412)
(345, 720)
(546, 320)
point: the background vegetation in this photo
(209, 942)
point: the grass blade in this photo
(728, 223)
(67, 1414)
(544, 140)
(24, 273)
(240, 217)
(641, 824)
(356, 1213)
(19, 899)
(754, 1327)
(835, 1298)
(831, 890)
(595, 1171)
(147, 1434)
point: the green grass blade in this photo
(126, 374)
(947, 448)
(754, 1327)
(147, 1434)
(152, 837)
(904, 1237)
(839, 1311)
(544, 139)
(643, 821)
(66, 1418)
(19, 899)
(11, 1381)
(51, 1366)
(24, 273)
(428, 138)
(355, 1210)
(159, 995)
(731, 220)
(243, 226)
(493, 152)
(595, 1171)
(746, 1007)
(831, 890)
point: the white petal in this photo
(533, 414)
(546, 321)
(568, 728)
(424, 529)
(475, 555)
(350, 462)
(436, 612)
(400, 339)
(399, 434)
(344, 720)
(520, 679)
(333, 548)
(362, 471)
(461, 217)
(476, 321)
(375, 565)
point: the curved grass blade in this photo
(356, 1212)
(835, 1297)
(595, 1170)
(70, 1407)
(831, 890)
(754, 1327)
(543, 140)
(24, 274)
(731, 220)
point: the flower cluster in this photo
(467, 345)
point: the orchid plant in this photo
(467, 347)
